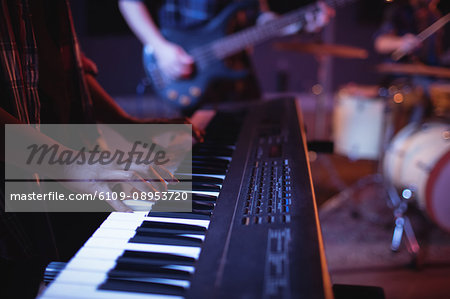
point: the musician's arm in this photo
(27, 135)
(140, 22)
(389, 42)
(387, 38)
(106, 110)
(171, 58)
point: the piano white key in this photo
(119, 224)
(106, 232)
(217, 176)
(121, 215)
(105, 254)
(98, 253)
(123, 244)
(175, 282)
(133, 224)
(81, 277)
(213, 193)
(127, 233)
(139, 205)
(73, 291)
(199, 222)
(91, 264)
(141, 216)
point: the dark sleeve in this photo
(388, 24)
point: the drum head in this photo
(438, 193)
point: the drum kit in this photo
(395, 126)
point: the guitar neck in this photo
(237, 42)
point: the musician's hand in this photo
(173, 60)
(408, 43)
(197, 133)
(101, 179)
(268, 16)
(315, 21)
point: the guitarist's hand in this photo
(174, 61)
(315, 21)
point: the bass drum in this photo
(418, 158)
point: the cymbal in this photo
(336, 50)
(413, 69)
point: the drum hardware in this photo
(416, 165)
(402, 224)
(413, 69)
(440, 99)
(323, 52)
(336, 50)
(428, 156)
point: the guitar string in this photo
(226, 46)
(204, 55)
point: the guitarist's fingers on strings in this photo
(316, 20)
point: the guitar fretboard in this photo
(236, 42)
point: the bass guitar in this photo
(209, 46)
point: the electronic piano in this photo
(253, 231)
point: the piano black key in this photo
(201, 205)
(200, 179)
(128, 271)
(212, 145)
(155, 258)
(204, 197)
(209, 161)
(205, 187)
(175, 228)
(164, 239)
(142, 287)
(196, 186)
(143, 272)
(211, 154)
(205, 170)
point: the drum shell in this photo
(358, 125)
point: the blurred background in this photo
(356, 220)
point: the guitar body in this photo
(186, 94)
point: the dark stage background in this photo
(105, 38)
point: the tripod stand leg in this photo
(412, 244)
